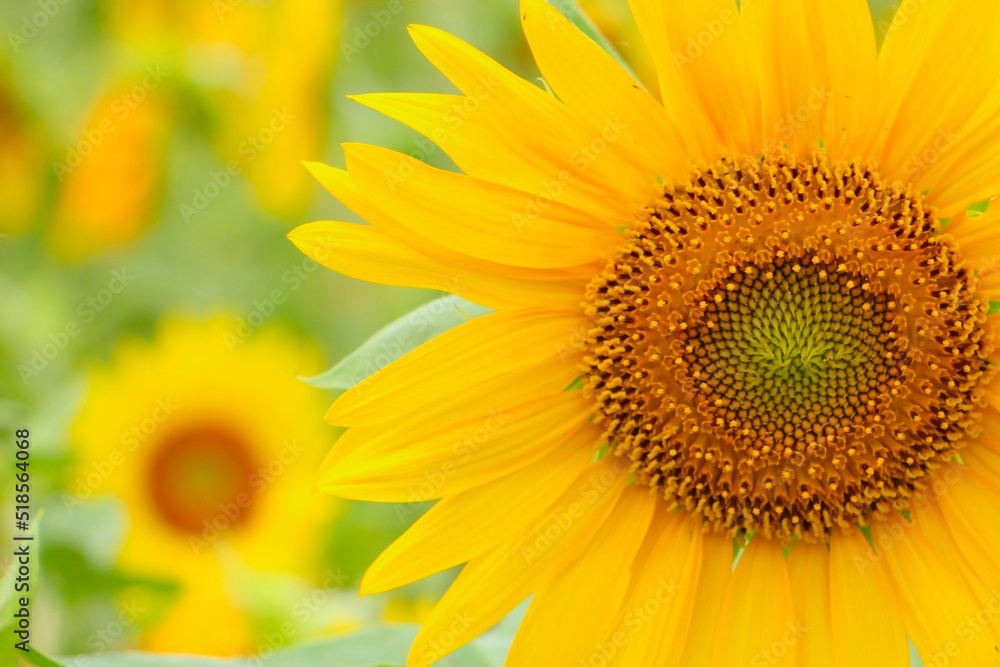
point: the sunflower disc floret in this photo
(786, 346)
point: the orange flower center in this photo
(784, 346)
(201, 479)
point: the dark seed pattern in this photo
(783, 347)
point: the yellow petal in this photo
(961, 168)
(924, 54)
(906, 45)
(936, 602)
(498, 441)
(864, 613)
(461, 527)
(366, 253)
(552, 631)
(979, 568)
(993, 398)
(704, 42)
(339, 183)
(716, 569)
(978, 241)
(424, 420)
(816, 64)
(966, 495)
(492, 149)
(792, 91)
(749, 632)
(575, 67)
(984, 457)
(461, 358)
(490, 586)
(845, 29)
(699, 140)
(990, 438)
(809, 574)
(527, 110)
(656, 617)
(476, 217)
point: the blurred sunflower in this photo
(22, 161)
(280, 112)
(263, 71)
(111, 178)
(207, 438)
(729, 314)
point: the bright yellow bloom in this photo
(733, 313)
(208, 438)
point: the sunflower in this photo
(22, 183)
(750, 318)
(110, 180)
(206, 437)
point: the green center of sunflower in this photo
(200, 480)
(790, 345)
(783, 347)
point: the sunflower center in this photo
(785, 346)
(790, 346)
(201, 480)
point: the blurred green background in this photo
(149, 171)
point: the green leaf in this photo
(572, 10)
(396, 339)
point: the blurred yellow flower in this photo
(22, 163)
(279, 116)
(265, 70)
(210, 442)
(110, 177)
